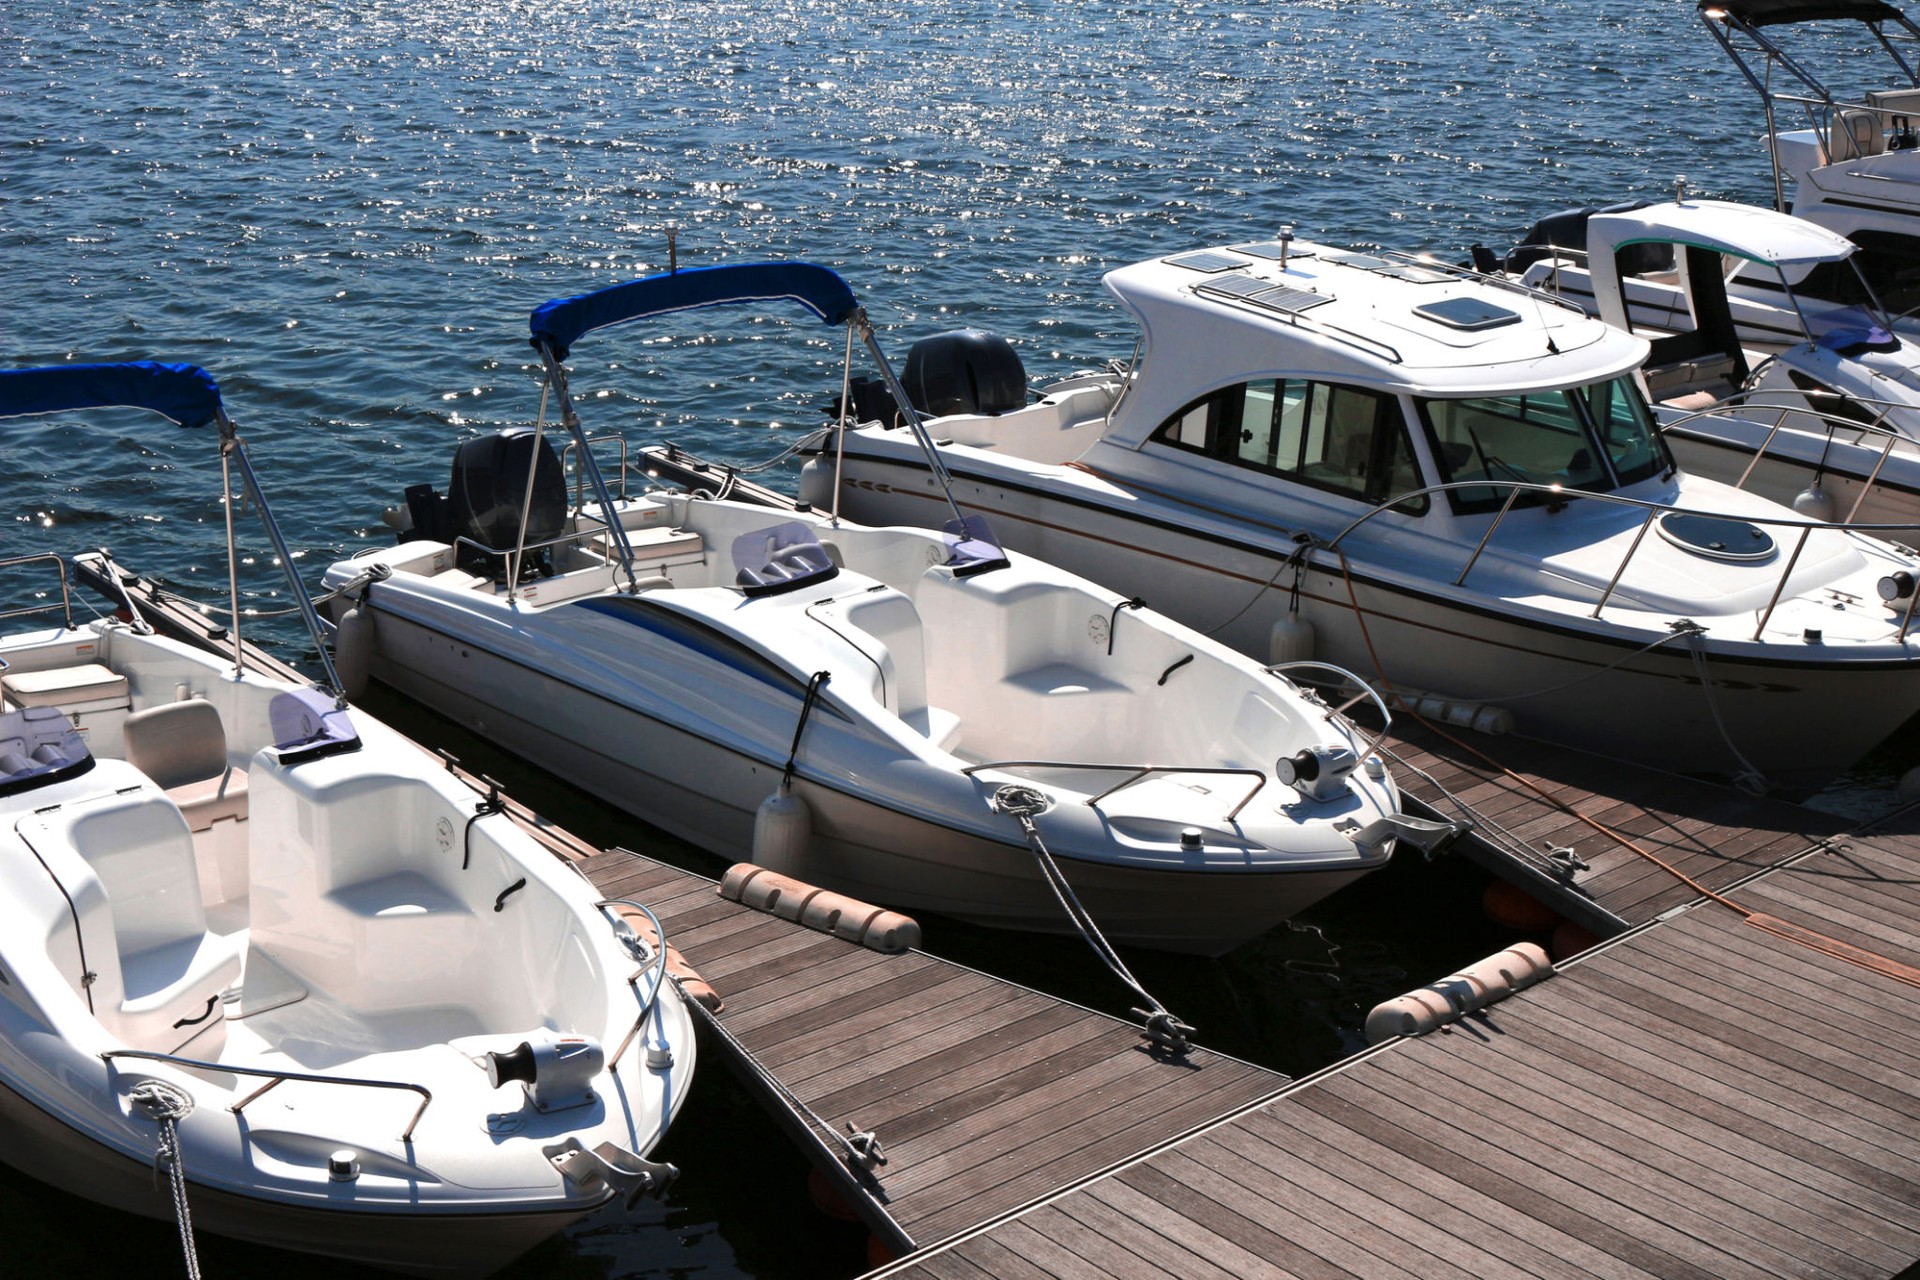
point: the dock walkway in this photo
(985, 1095)
(1700, 1098)
(1715, 835)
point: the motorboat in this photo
(912, 717)
(261, 952)
(1800, 400)
(1849, 162)
(1449, 483)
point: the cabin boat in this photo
(858, 706)
(378, 1019)
(1848, 162)
(1799, 400)
(1448, 483)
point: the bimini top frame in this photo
(557, 325)
(187, 395)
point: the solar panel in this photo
(1260, 293)
(1274, 250)
(1207, 260)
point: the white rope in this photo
(1022, 804)
(167, 1106)
(1749, 779)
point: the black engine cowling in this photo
(965, 371)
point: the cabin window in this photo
(1598, 437)
(1343, 439)
(1891, 259)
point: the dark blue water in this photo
(346, 211)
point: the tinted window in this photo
(1338, 438)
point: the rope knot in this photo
(1019, 801)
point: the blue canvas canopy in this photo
(562, 322)
(183, 392)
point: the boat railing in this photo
(1362, 692)
(275, 1077)
(1790, 405)
(1135, 772)
(579, 474)
(1556, 496)
(1474, 274)
(656, 965)
(66, 595)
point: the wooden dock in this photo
(985, 1095)
(1716, 836)
(1700, 1098)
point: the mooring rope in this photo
(167, 1106)
(1023, 804)
(1786, 930)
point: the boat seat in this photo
(158, 972)
(1854, 134)
(93, 696)
(182, 746)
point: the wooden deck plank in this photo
(1242, 1242)
(1621, 1144)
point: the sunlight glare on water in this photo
(345, 211)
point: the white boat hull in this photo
(709, 794)
(1589, 691)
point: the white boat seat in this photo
(158, 972)
(887, 628)
(88, 686)
(183, 748)
(1854, 134)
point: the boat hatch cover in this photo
(1207, 260)
(1273, 297)
(1716, 537)
(1467, 313)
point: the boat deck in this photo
(1701, 1098)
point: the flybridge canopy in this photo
(185, 393)
(1745, 231)
(564, 321)
(1762, 13)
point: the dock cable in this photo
(1023, 804)
(167, 1105)
(1786, 930)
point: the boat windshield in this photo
(1597, 437)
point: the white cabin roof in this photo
(1743, 230)
(1213, 317)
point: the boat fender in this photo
(1815, 503)
(353, 649)
(1492, 721)
(557, 1071)
(1292, 640)
(1474, 987)
(835, 913)
(781, 830)
(816, 483)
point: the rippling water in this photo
(346, 211)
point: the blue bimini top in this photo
(558, 324)
(183, 392)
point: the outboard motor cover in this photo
(1567, 229)
(489, 487)
(965, 371)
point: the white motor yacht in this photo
(355, 1009)
(1450, 483)
(1798, 400)
(911, 717)
(1849, 162)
